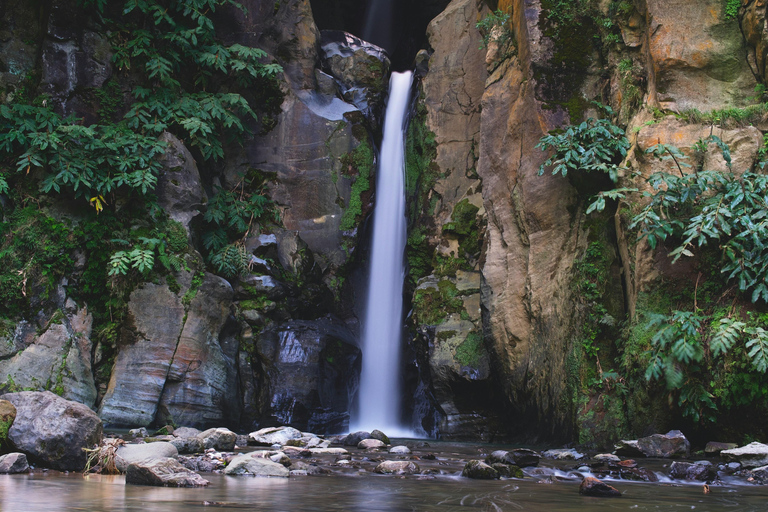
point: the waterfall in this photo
(379, 396)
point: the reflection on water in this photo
(364, 492)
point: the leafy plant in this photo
(496, 21)
(594, 145)
(732, 9)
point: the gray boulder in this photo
(753, 455)
(521, 457)
(53, 431)
(187, 432)
(628, 448)
(701, 470)
(569, 454)
(13, 463)
(143, 453)
(354, 438)
(381, 436)
(714, 447)
(186, 445)
(273, 435)
(479, 470)
(371, 444)
(397, 467)
(400, 450)
(245, 464)
(163, 473)
(669, 445)
(221, 439)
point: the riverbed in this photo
(551, 488)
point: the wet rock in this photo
(753, 455)
(638, 474)
(381, 436)
(186, 445)
(760, 474)
(246, 464)
(221, 439)
(400, 450)
(479, 470)
(606, 457)
(628, 448)
(273, 435)
(354, 438)
(310, 469)
(280, 458)
(13, 463)
(714, 448)
(328, 451)
(507, 470)
(565, 454)
(521, 457)
(371, 444)
(163, 473)
(53, 431)
(397, 467)
(701, 470)
(591, 486)
(671, 444)
(143, 453)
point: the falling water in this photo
(379, 397)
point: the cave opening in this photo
(398, 26)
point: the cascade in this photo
(379, 395)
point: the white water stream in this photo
(379, 396)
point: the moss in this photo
(465, 227)
(259, 304)
(431, 306)
(176, 236)
(421, 171)
(358, 162)
(469, 352)
(418, 253)
(189, 296)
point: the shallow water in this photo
(359, 489)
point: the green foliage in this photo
(431, 306)
(359, 162)
(197, 281)
(593, 145)
(728, 117)
(732, 9)
(712, 206)
(491, 22)
(469, 352)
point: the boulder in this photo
(138, 432)
(354, 438)
(479, 470)
(606, 457)
(669, 445)
(273, 435)
(628, 448)
(714, 448)
(186, 445)
(591, 486)
(381, 436)
(760, 474)
(165, 472)
(53, 431)
(508, 470)
(397, 467)
(753, 455)
(701, 470)
(143, 453)
(13, 463)
(246, 464)
(186, 432)
(221, 439)
(569, 454)
(521, 457)
(371, 444)
(400, 450)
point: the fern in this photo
(727, 334)
(231, 261)
(758, 349)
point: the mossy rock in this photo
(7, 416)
(479, 470)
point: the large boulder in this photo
(669, 445)
(53, 431)
(397, 467)
(701, 470)
(221, 439)
(163, 473)
(13, 463)
(273, 435)
(479, 470)
(521, 457)
(247, 464)
(144, 453)
(753, 455)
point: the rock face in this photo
(163, 473)
(7, 415)
(315, 370)
(53, 431)
(176, 366)
(179, 191)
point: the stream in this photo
(547, 488)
